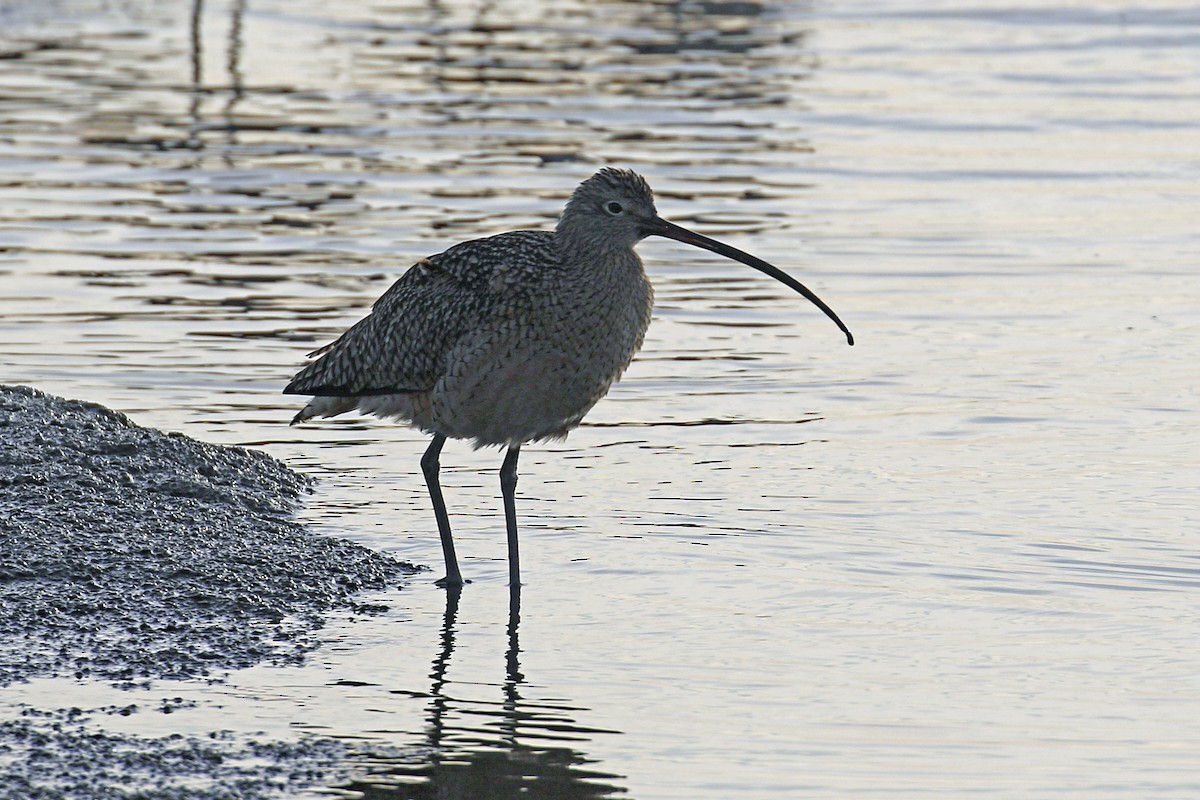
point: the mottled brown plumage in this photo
(508, 339)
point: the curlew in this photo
(509, 339)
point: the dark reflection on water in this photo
(509, 748)
(486, 70)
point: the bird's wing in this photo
(403, 344)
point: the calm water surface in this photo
(962, 557)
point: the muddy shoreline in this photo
(129, 555)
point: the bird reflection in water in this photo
(513, 747)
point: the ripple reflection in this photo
(490, 750)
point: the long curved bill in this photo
(660, 227)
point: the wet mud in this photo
(67, 755)
(129, 555)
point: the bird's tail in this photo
(325, 407)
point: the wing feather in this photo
(403, 345)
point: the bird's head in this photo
(613, 210)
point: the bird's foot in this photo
(450, 582)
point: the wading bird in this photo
(511, 338)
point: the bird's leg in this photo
(430, 466)
(508, 488)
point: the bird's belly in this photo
(523, 385)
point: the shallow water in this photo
(960, 557)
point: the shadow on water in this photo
(490, 750)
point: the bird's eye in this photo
(613, 207)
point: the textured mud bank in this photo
(67, 755)
(129, 555)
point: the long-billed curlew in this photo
(509, 339)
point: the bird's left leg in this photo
(508, 488)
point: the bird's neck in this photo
(583, 248)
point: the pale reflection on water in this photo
(959, 557)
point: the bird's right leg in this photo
(508, 488)
(430, 466)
